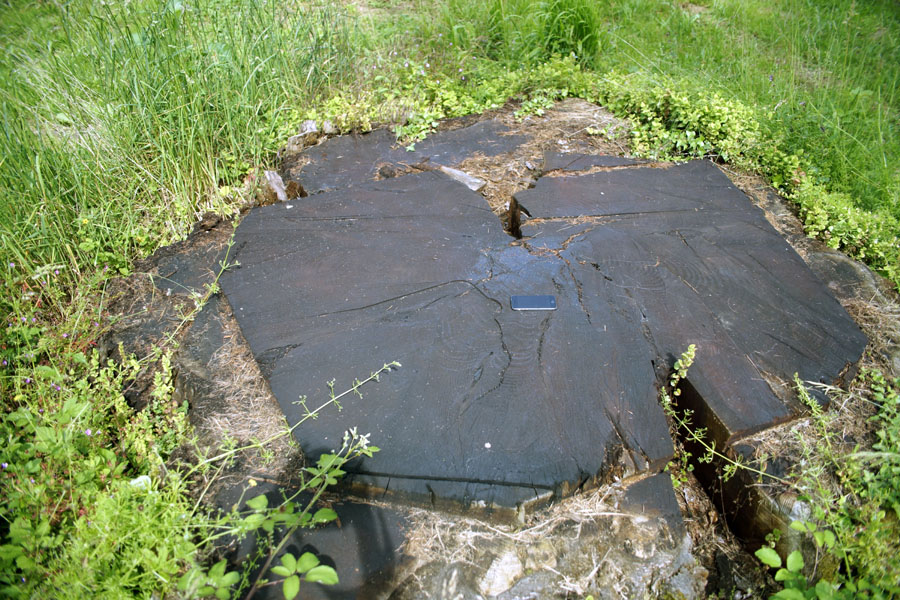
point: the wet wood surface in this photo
(495, 407)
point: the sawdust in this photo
(573, 125)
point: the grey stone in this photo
(846, 277)
(473, 183)
(503, 572)
(307, 136)
(272, 189)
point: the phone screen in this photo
(532, 302)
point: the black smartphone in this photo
(532, 302)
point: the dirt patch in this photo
(573, 125)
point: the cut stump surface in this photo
(502, 408)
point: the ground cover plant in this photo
(121, 124)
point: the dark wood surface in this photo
(501, 407)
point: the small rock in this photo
(308, 127)
(471, 182)
(529, 166)
(328, 128)
(271, 189)
(276, 185)
(307, 136)
(501, 575)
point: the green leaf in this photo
(306, 562)
(324, 515)
(223, 594)
(253, 521)
(258, 503)
(185, 580)
(289, 562)
(783, 575)
(768, 557)
(789, 595)
(795, 561)
(10, 551)
(231, 578)
(48, 373)
(322, 574)
(824, 590)
(803, 526)
(282, 571)
(291, 587)
(218, 570)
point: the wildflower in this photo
(28, 380)
(771, 78)
(4, 363)
(56, 271)
(12, 265)
(87, 432)
(34, 319)
(4, 465)
(24, 319)
(427, 66)
(65, 335)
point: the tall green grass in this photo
(824, 75)
(517, 32)
(119, 123)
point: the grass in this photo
(120, 124)
(825, 75)
(155, 107)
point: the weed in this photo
(857, 524)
